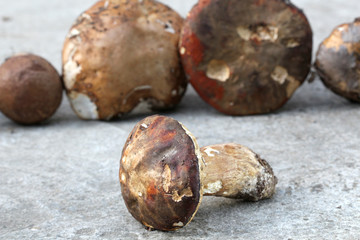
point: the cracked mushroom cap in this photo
(30, 89)
(246, 57)
(160, 174)
(338, 61)
(119, 54)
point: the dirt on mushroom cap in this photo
(160, 174)
(246, 57)
(338, 61)
(119, 54)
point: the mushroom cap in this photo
(160, 174)
(119, 54)
(30, 89)
(246, 57)
(338, 61)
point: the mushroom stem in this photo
(234, 171)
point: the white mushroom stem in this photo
(234, 171)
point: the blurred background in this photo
(28, 25)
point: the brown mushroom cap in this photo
(246, 57)
(122, 53)
(338, 61)
(30, 89)
(160, 174)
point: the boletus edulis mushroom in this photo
(164, 174)
(119, 54)
(246, 57)
(30, 89)
(338, 61)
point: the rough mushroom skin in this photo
(30, 89)
(338, 61)
(234, 171)
(121, 53)
(246, 57)
(164, 174)
(160, 174)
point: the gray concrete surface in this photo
(59, 180)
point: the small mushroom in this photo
(121, 54)
(246, 57)
(30, 89)
(164, 174)
(338, 61)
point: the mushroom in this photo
(30, 89)
(246, 57)
(164, 174)
(121, 54)
(338, 61)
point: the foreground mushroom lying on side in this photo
(164, 174)
(120, 54)
(246, 57)
(338, 61)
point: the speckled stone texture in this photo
(60, 180)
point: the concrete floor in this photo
(59, 180)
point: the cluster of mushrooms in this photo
(242, 57)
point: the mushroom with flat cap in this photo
(164, 174)
(121, 54)
(246, 57)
